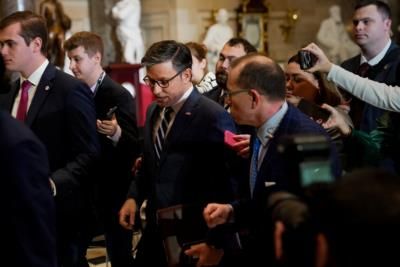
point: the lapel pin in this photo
(188, 113)
(47, 88)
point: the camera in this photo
(306, 59)
(308, 157)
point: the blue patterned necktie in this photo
(162, 131)
(254, 164)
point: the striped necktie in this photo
(162, 130)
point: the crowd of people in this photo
(247, 164)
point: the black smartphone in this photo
(111, 112)
(306, 59)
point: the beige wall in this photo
(185, 20)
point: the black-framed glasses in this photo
(232, 93)
(162, 83)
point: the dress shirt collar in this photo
(375, 60)
(35, 77)
(267, 130)
(178, 105)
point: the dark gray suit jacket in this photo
(28, 221)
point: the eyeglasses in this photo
(162, 83)
(232, 93)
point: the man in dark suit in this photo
(256, 96)
(28, 225)
(372, 30)
(60, 111)
(192, 165)
(118, 136)
(234, 48)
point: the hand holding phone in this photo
(111, 112)
(229, 139)
(238, 142)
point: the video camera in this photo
(308, 158)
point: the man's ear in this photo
(278, 244)
(187, 75)
(321, 251)
(36, 44)
(255, 97)
(97, 57)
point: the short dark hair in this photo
(266, 76)
(168, 50)
(247, 46)
(32, 26)
(382, 7)
(91, 42)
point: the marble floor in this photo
(97, 254)
(97, 257)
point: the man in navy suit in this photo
(118, 136)
(60, 111)
(372, 32)
(28, 225)
(192, 166)
(256, 96)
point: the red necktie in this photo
(363, 69)
(23, 101)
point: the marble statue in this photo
(217, 35)
(127, 13)
(333, 35)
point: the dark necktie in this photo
(162, 131)
(363, 69)
(254, 164)
(23, 101)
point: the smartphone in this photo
(229, 138)
(306, 59)
(111, 112)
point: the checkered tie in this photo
(23, 101)
(162, 131)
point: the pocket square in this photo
(268, 184)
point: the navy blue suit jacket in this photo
(192, 165)
(28, 224)
(252, 213)
(193, 168)
(63, 116)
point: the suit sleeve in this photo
(32, 210)
(83, 139)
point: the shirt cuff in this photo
(115, 138)
(53, 187)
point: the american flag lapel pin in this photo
(47, 88)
